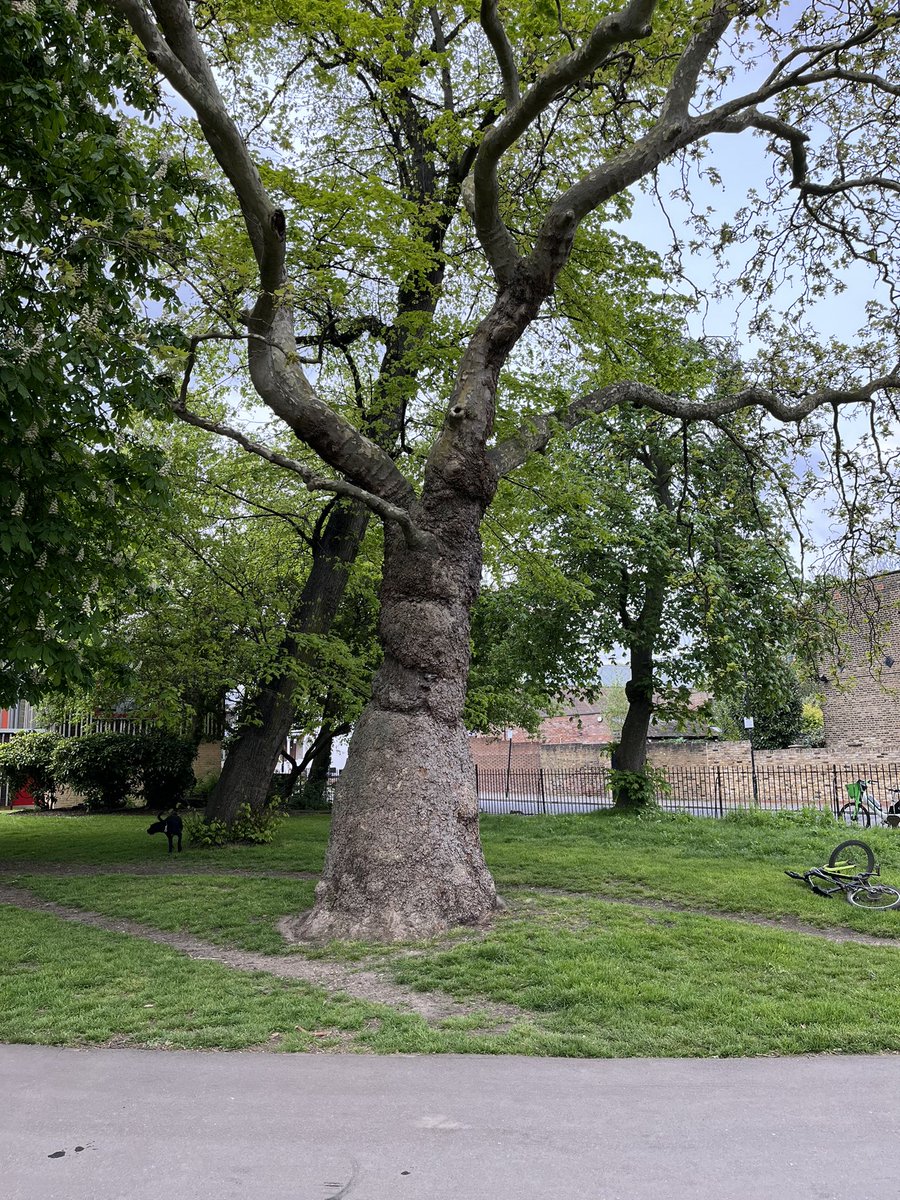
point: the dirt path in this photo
(831, 933)
(360, 983)
(179, 867)
(165, 866)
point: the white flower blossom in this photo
(41, 622)
(28, 208)
(79, 557)
(54, 507)
(31, 434)
(19, 506)
(25, 7)
(42, 561)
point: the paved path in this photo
(197, 1126)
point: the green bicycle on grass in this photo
(850, 869)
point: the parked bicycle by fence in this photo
(850, 869)
(863, 808)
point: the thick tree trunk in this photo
(404, 858)
(247, 775)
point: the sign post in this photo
(748, 725)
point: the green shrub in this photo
(251, 826)
(202, 789)
(27, 761)
(164, 767)
(638, 790)
(103, 767)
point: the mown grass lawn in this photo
(121, 839)
(592, 977)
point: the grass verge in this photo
(594, 978)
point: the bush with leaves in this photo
(164, 767)
(636, 791)
(26, 761)
(250, 826)
(103, 767)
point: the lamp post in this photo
(509, 738)
(748, 725)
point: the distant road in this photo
(143, 1125)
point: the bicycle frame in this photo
(865, 801)
(842, 882)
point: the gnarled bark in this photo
(404, 858)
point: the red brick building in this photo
(581, 736)
(578, 737)
(862, 690)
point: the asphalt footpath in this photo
(156, 1125)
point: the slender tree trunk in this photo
(247, 775)
(317, 780)
(642, 633)
(404, 858)
(631, 752)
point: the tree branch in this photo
(313, 482)
(535, 437)
(173, 46)
(628, 24)
(503, 51)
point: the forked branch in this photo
(415, 537)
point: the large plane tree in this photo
(545, 117)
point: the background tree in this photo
(84, 223)
(543, 124)
(663, 541)
(223, 570)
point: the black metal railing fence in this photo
(705, 791)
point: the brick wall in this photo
(582, 728)
(493, 754)
(737, 754)
(529, 755)
(574, 757)
(862, 693)
(208, 760)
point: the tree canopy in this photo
(84, 223)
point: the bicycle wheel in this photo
(853, 854)
(850, 814)
(874, 896)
